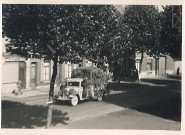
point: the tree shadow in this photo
(19, 115)
(159, 81)
(59, 118)
(169, 109)
(123, 86)
(174, 77)
(162, 101)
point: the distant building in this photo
(157, 66)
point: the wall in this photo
(145, 72)
(162, 66)
(169, 65)
(9, 76)
(41, 82)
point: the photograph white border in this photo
(102, 132)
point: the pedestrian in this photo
(131, 73)
(178, 69)
(84, 85)
(19, 88)
(136, 74)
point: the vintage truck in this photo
(84, 84)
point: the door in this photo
(33, 75)
(156, 66)
(22, 73)
(162, 66)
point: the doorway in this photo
(33, 75)
(162, 66)
(22, 73)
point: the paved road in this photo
(122, 103)
(124, 119)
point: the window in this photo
(149, 66)
(73, 83)
(138, 65)
(46, 72)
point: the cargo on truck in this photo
(85, 83)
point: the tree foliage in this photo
(138, 29)
(58, 32)
(144, 22)
(171, 36)
(98, 33)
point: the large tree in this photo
(120, 50)
(137, 29)
(41, 31)
(144, 24)
(171, 33)
(98, 30)
(58, 32)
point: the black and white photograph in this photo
(91, 67)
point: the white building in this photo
(34, 73)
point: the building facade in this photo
(157, 66)
(34, 73)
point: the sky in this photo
(120, 8)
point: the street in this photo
(124, 119)
(153, 104)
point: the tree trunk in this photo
(141, 61)
(53, 78)
(115, 74)
(118, 73)
(49, 116)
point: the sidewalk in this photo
(44, 90)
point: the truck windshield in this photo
(73, 83)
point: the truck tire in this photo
(74, 101)
(100, 98)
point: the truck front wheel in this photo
(100, 98)
(74, 101)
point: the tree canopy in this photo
(58, 32)
(99, 33)
(171, 35)
(144, 22)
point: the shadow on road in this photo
(159, 81)
(162, 101)
(170, 109)
(125, 85)
(174, 77)
(19, 115)
(159, 100)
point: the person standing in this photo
(178, 69)
(136, 74)
(19, 87)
